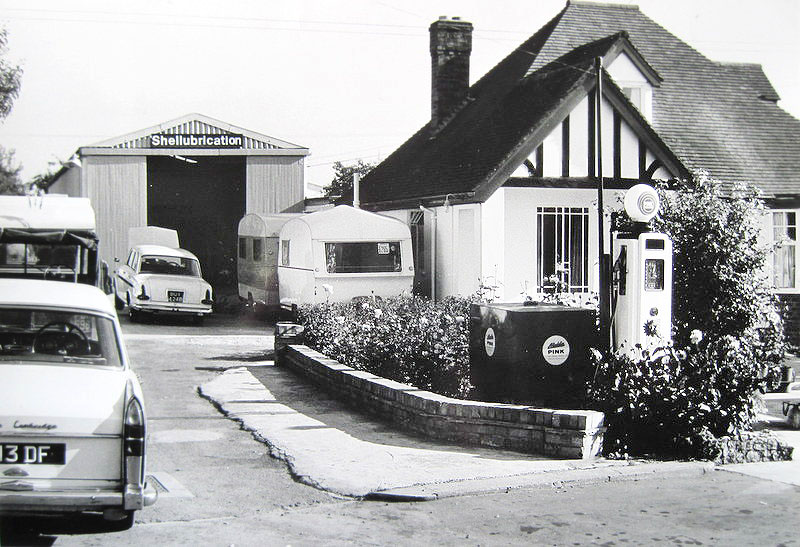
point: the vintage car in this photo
(157, 279)
(72, 416)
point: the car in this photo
(72, 414)
(157, 279)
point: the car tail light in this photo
(143, 295)
(207, 300)
(133, 441)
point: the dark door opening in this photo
(204, 202)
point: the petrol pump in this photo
(642, 276)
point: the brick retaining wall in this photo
(560, 433)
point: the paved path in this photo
(332, 448)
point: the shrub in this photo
(407, 339)
(677, 402)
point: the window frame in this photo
(563, 218)
(777, 245)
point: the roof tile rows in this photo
(722, 118)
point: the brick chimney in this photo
(451, 45)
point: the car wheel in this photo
(198, 320)
(121, 525)
(119, 304)
(134, 315)
(794, 417)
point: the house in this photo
(500, 187)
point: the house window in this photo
(634, 95)
(562, 247)
(784, 258)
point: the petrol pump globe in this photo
(641, 203)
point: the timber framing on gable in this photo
(623, 111)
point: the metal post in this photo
(602, 259)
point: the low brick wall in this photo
(559, 433)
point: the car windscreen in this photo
(363, 257)
(169, 265)
(55, 336)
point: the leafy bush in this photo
(407, 339)
(719, 282)
(677, 402)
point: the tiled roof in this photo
(713, 116)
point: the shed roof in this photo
(197, 124)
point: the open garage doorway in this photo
(203, 198)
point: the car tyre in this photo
(198, 320)
(794, 417)
(121, 525)
(119, 304)
(135, 315)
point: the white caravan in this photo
(338, 254)
(257, 263)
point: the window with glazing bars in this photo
(784, 233)
(562, 247)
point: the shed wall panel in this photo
(274, 184)
(117, 188)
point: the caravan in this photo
(337, 254)
(257, 262)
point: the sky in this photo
(348, 79)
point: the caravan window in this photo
(363, 257)
(258, 247)
(243, 248)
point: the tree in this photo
(343, 179)
(9, 173)
(10, 78)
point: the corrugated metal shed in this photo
(123, 185)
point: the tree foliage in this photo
(9, 173)
(343, 177)
(727, 331)
(10, 78)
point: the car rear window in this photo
(170, 265)
(54, 336)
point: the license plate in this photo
(175, 296)
(36, 453)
